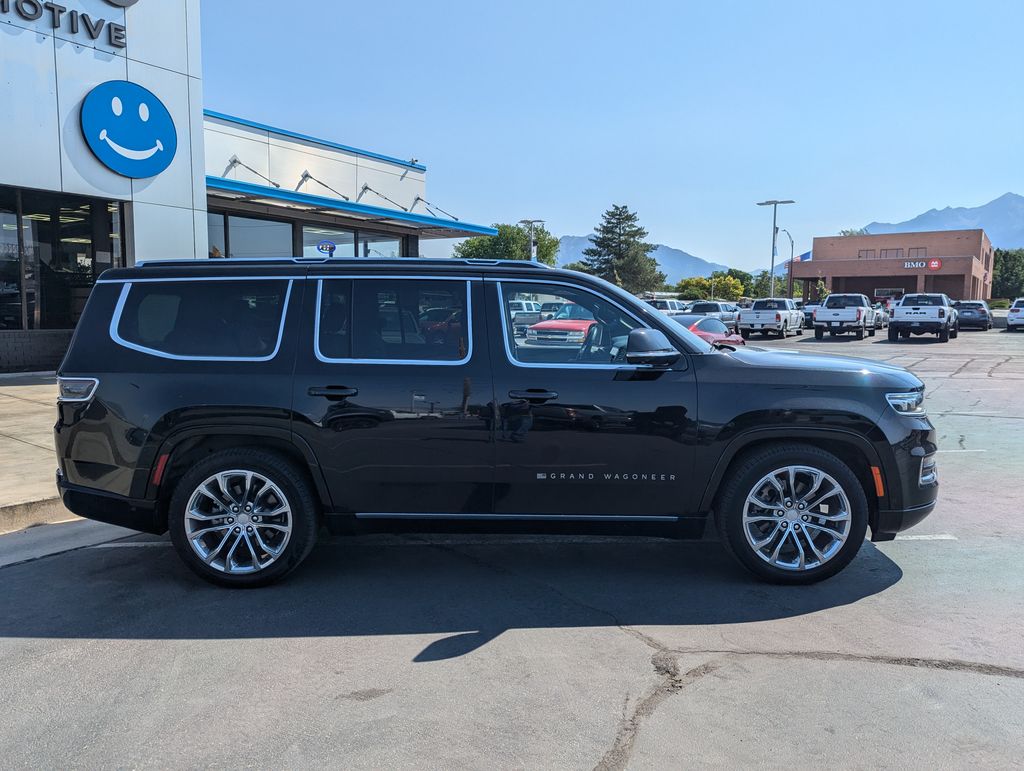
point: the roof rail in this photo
(321, 260)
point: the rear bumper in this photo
(841, 328)
(918, 326)
(889, 523)
(97, 505)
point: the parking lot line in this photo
(927, 537)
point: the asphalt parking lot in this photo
(568, 652)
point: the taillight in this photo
(76, 389)
(942, 313)
(860, 313)
(814, 314)
(778, 317)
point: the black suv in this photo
(244, 404)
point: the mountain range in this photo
(674, 263)
(1002, 219)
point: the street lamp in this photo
(529, 225)
(775, 232)
(791, 254)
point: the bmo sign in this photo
(933, 264)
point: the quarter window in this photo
(394, 320)
(585, 330)
(203, 319)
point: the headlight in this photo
(575, 335)
(910, 404)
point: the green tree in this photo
(821, 290)
(725, 286)
(1008, 273)
(696, 288)
(747, 279)
(580, 267)
(761, 286)
(619, 253)
(854, 232)
(511, 243)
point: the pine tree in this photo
(620, 255)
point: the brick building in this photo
(956, 262)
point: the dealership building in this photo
(108, 158)
(955, 262)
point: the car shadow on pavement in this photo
(468, 589)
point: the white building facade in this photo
(108, 158)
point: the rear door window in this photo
(197, 319)
(386, 320)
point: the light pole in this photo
(791, 254)
(529, 226)
(775, 232)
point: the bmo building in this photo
(108, 158)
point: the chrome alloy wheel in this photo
(796, 518)
(238, 522)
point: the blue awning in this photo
(428, 227)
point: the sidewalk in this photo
(28, 411)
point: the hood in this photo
(576, 325)
(820, 366)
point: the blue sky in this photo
(687, 112)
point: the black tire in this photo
(799, 331)
(894, 335)
(860, 333)
(819, 333)
(783, 332)
(744, 474)
(954, 333)
(745, 334)
(944, 335)
(282, 473)
(871, 332)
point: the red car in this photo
(568, 327)
(709, 329)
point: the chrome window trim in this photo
(544, 365)
(408, 362)
(394, 276)
(115, 322)
(189, 279)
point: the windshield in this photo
(844, 301)
(769, 305)
(661, 305)
(574, 311)
(922, 299)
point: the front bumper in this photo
(889, 523)
(112, 509)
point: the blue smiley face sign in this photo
(128, 129)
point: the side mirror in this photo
(650, 347)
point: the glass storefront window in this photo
(66, 242)
(250, 237)
(215, 227)
(10, 262)
(379, 245)
(312, 235)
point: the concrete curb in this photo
(25, 515)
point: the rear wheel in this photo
(871, 332)
(894, 335)
(784, 331)
(944, 335)
(792, 514)
(243, 518)
(819, 333)
(745, 334)
(860, 333)
(954, 333)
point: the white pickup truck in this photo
(841, 313)
(921, 314)
(778, 315)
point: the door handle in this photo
(534, 394)
(333, 392)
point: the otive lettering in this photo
(56, 16)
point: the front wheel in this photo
(792, 514)
(243, 518)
